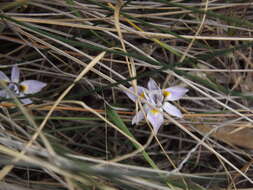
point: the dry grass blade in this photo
(69, 139)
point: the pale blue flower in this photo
(157, 99)
(20, 89)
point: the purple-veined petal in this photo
(15, 74)
(156, 119)
(174, 93)
(140, 92)
(31, 86)
(3, 93)
(172, 110)
(152, 85)
(4, 77)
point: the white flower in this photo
(157, 99)
(20, 89)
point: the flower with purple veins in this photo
(157, 102)
(20, 89)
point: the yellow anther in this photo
(23, 88)
(166, 93)
(154, 111)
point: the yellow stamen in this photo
(142, 95)
(23, 88)
(154, 111)
(166, 93)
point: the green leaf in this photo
(115, 118)
(180, 182)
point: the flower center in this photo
(13, 87)
(17, 88)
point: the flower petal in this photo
(4, 77)
(3, 93)
(140, 92)
(13, 88)
(174, 93)
(156, 119)
(138, 117)
(26, 101)
(155, 97)
(15, 74)
(152, 85)
(31, 86)
(172, 110)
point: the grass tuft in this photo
(78, 132)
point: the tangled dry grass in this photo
(77, 134)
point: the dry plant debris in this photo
(69, 124)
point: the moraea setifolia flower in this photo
(157, 102)
(20, 89)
